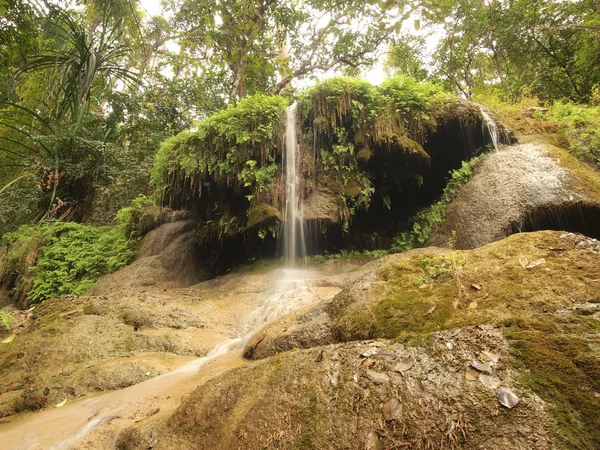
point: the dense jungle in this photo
(305, 224)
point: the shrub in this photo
(425, 221)
(62, 258)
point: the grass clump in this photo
(62, 258)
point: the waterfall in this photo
(490, 125)
(294, 244)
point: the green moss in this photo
(308, 412)
(261, 214)
(561, 368)
(364, 154)
(411, 146)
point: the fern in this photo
(63, 258)
(424, 223)
(6, 320)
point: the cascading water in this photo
(290, 290)
(294, 244)
(490, 125)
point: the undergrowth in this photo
(62, 258)
(366, 255)
(579, 125)
(425, 221)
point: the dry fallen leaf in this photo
(392, 410)
(377, 377)
(9, 339)
(481, 367)
(523, 261)
(539, 262)
(385, 356)
(489, 357)
(370, 352)
(507, 398)
(471, 375)
(489, 381)
(404, 364)
(430, 311)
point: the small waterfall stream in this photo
(490, 125)
(294, 244)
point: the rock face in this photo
(369, 158)
(498, 304)
(334, 398)
(169, 256)
(522, 188)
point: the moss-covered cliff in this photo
(371, 156)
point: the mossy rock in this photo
(263, 214)
(325, 398)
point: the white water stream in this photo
(64, 428)
(490, 125)
(294, 244)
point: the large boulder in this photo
(527, 187)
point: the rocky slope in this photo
(455, 327)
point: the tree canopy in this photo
(90, 88)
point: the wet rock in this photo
(377, 377)
(507, 189)
(392, 410)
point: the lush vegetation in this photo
(576, 124)
(236, 145)
(581, 126)
(61, 258)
